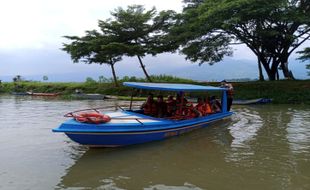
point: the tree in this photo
(94, 47)
(272, 30)
(45, 78)
(17, 78)
(305, 57)
(139, 32)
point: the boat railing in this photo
(70, 114)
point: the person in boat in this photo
(215, 105)
(190, 111)
(149, 107)
(161, 107)
(230, 93)
(200, 107)
(207, 106)
(180, 105)
(171, 106)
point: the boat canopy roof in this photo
(172, 86)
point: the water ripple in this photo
(298, 131)
(247, 123)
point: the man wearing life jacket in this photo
(171, 106)
(149, 107)
(215, 105)
(207, 107)
(161, 107)
(179, 105)
(200, 107)
(230, 93)
(190, 111)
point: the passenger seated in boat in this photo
(161, 107)
(190, 111)
(180, 106)
(200, 107)
(149, 107)
(215, 105)
(171, 106)
(207, 107)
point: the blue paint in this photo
(172, 86)
(129, 138)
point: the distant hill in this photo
(63, 70)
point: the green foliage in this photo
(45, 78)
(281, 92)
(95, 47)
(90, 80)
(305, 56)
(17, 78)
(138, 31)
(103, 79)
(271, 29)
(158, 78)
(131, 32)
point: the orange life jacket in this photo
(200, 108)
(150, 108)
(171, 106)
(190, 112)
(207, 109)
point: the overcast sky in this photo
(31, 38)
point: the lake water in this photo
(260, 147)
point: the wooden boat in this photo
(19, 93)
(42, 94)
(127, 127)
(252, 101)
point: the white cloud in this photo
(39, 23)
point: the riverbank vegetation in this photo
(281, 92)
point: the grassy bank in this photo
(282, 92)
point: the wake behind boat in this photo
(127, 127)
(252, 101)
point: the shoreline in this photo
(281, 92)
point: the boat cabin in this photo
(179, 107)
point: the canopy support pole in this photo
(224, 101)
(182, 101)
(131, 98)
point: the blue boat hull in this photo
(116, 139)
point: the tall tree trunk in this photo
(261, 75)
(270, 72)
(143, 68)
(114, 75)
(286, 72)
(274, 68)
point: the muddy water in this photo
(260, 147)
